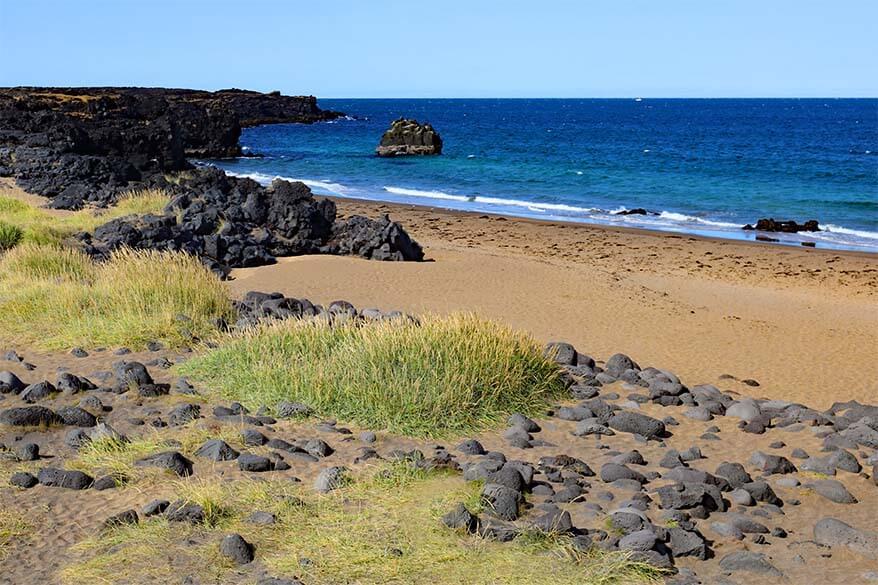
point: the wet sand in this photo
(802, 322)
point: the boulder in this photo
(408, 137)
(636, 423)
(63, 478)
(236, 549)
(833, 532)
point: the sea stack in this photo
(408, 137)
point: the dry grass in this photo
(443, 376)
(45, 226)
(116, 457)
(56, 298)
(13, 527)
(382, 529)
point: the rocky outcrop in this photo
(408, 137)
(85, 145)
(232, 222)
(790, 227)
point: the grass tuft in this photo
(13, 527)
(10, 236)
(57, 298)
(382, 528)
(443, 376)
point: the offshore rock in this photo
(408, 137)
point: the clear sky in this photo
(449, 48)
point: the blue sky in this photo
(449, 48)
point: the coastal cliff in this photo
(85, 145)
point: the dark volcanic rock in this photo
(236, 549)
(235, 222)
(79, 145)
(29, 416)
(23, 480)
(170, 460)
(73, 480)
(217, 450)
(408, 137)
(639, 424)
(770, 225)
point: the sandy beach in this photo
(801, 322)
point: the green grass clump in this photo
(44, 226)
(383, 528)
(57, 298)
(10, 236)
(440, 377)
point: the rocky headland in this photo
(86, 146)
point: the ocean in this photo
(703, 166)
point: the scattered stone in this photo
(253, 438)
(183, 511)
(37, 392)
(63, 478)
(254, 463)
(125, 518)
(461, 519)
(330, 478)
(74, 416)
(155, 507)
(10, 383)
(217, 450)
(501, 501)
(833, 532)
(771, 464)
(637, 423)
(23, 480)
(27, 452)
(170, 460)
(107, 482)
(750, 562)
(833, 490)
(236, 549)
(262, 518)
(293, 410)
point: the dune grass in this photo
(441, 376)
(44, 226)
(13, 527)
(383, 528)
(57, 298)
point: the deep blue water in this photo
(708, 166)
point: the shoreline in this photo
(352, 201)
(801, 322)
(688, 225)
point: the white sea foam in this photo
(323, 186)
(427, 194)
(835, 229)
(499, 201)
(681, 217)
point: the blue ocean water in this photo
(706, 166)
